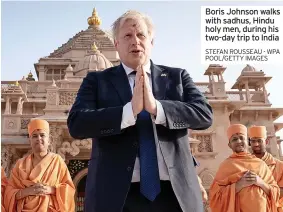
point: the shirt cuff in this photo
(160, 115)
(128, 118)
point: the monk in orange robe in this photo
(243, 182)
(258, 135)
(40, 182)
(3, 186)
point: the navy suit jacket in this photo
(97, 113)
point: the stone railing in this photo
(205, 144)
(236, 95)
(32, 87)
(201, 143)
(255, 96)
(258, 97)
(38, 88)
(67, 97)
(15, 124)
(5, 85)
(203, 87)
(60, 97)
(205, 147)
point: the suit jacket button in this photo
(129, 168)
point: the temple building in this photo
(50, 94)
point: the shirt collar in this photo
(130, 70)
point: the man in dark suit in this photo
(138, 114)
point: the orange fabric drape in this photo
(3, 186)
(276, 167)
(51, 171)
(223, 196)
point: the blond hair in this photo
(133, 15)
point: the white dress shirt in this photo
(128, 119)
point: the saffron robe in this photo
(276, 167)
(50, 171)
(3, 186)
(223, 196)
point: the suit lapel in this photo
(120, 81)
(159, 79)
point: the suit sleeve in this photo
(193, 112)
(85, 120)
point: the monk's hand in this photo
(149, 100)
(138, 92)
(251, 177)
(38, 189)
(48, 190)
(245, 181)
(32, 190)
(259, 181)
(43, 189)
(264, 186)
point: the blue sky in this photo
(31, 30)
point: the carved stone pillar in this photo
(34, 109)
(248, 92)
(41, 72)
(55, 137)
(212, 77)
(280, 148)
(274, 147)
(264, 93)
(241, 94)
(52, 95)
(194, 145)
(9, 157)
(15, 158)
(20, 106)
(221, 77)
(6, 158)
(8, 106)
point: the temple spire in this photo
(94, 20)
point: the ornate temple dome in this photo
(94, 60)
(249, 68)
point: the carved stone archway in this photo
(80, 176)
(79, 198)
